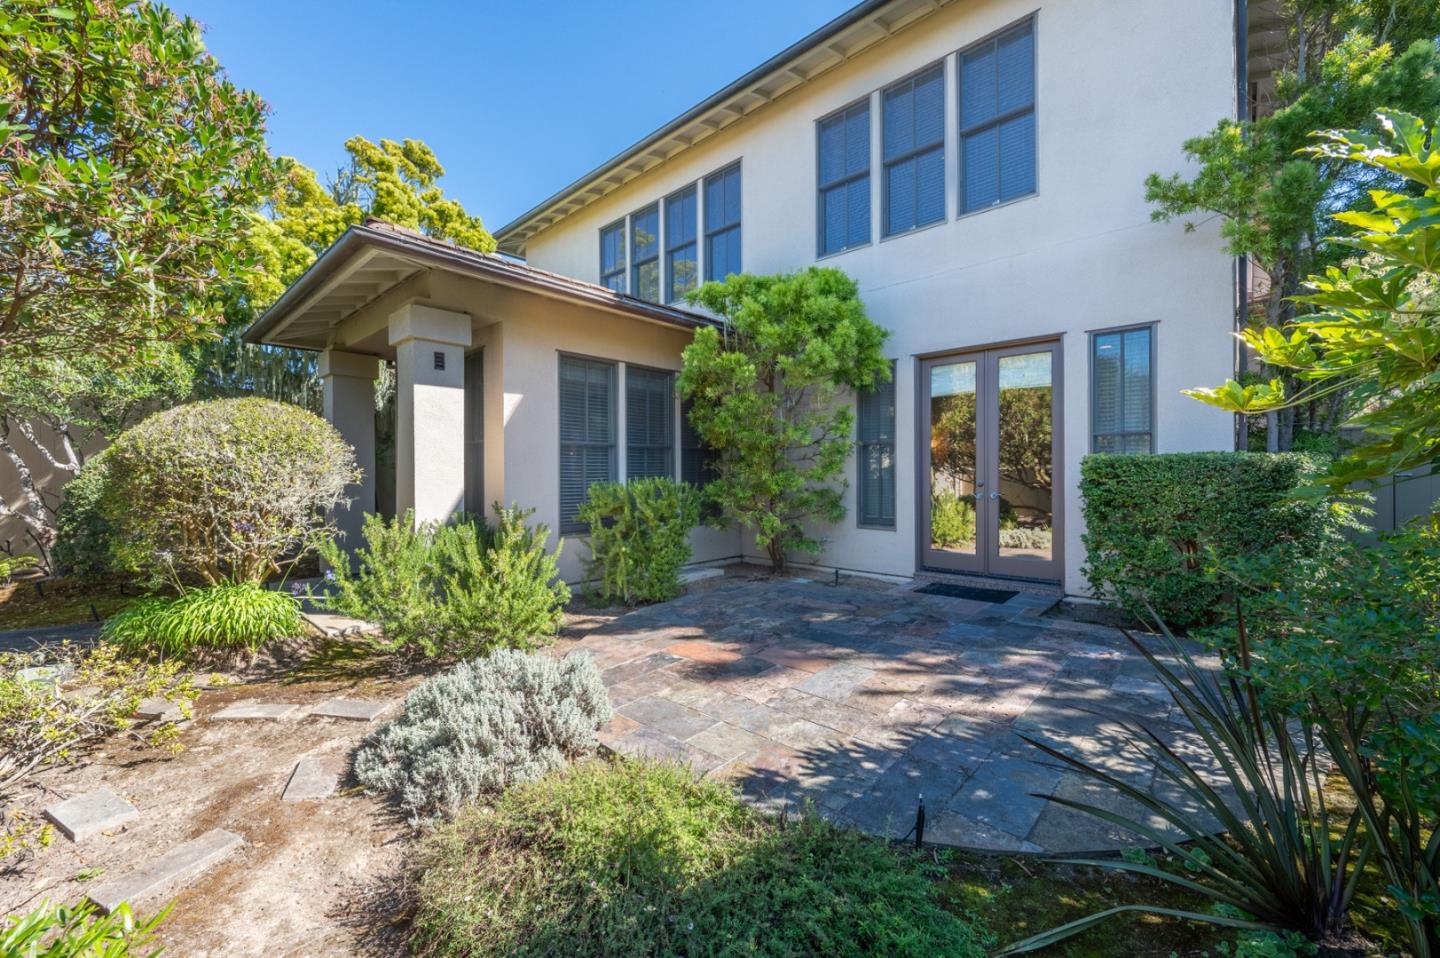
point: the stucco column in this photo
(348, 386)
(430, 349)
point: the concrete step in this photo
(241, 711)
(311, 781)
(356, 710)
(168, 873)
(92, 813)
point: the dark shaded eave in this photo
(468, 262)
(813, 40)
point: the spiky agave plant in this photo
(1274, 860)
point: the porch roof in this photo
(373, 258)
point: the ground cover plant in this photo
(223, 618)
(455, 589)
(483, 726)
(632, 858)
(639, 537)
(57, 931)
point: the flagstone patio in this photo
(862, 698)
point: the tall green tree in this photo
(1342, 61)
(766, 393)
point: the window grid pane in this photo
(587, 432)
(612, 257)
(914, 151)
(681, 263)
(997, 120)
(1121, 391)
(875, 454)
(844, 170)
(645, 251)
(722, 224)
(649, 423)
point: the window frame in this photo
(821, 187)
(913, 153)
(670, 248)
(636, 262)
(573, 525)
(961, 131)
(861, 445)
(623, 225)
(1153, 328)
(710, 231)
(670, 448)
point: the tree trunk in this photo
(775, 549)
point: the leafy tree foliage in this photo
(1375, 331)
(1344, 59)
(766, 394)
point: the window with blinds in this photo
(997, 119)
(1122, 393)
(875, 454)
(649, 423)
(587, 432)
(844, 175)
(612, 256)
(722, 223)
(682, 260)
(698, 462)
(645, 253)
(913, 140)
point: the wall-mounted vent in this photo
(439, 360)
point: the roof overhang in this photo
(848, 35)
(374, 260)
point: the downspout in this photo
(1242, 263)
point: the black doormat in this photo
(967, 592)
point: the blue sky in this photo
(516, 99)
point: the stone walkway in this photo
(861, 698)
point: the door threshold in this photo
(981, 581)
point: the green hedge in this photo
(639, 537)
(1155, 524)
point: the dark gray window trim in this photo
(623, 225)
(860, 522)
(886, 165)
(635, 263)
(820, 188)
(1033, 19)
(1154, 328)
(710, 230)
(560, 357)
(666, 280)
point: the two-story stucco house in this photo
(976, 165)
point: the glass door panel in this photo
(953, 474)
(1024, 459)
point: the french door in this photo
(989, 500)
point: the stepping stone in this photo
(255, 710)
(310, 781)
(159, 709)
(90, 814)
(358, 710)
(338, 626)
(175, 868)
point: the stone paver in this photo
(159, 709)
(242, 711)
(356, 710)
(313, 779)
(859, 699)
(92, 813)
(169, 872)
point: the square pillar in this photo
(348, 386)
(430, 349)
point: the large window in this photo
(587, 432)
(698, 462)
(649, 423)
(612, 256)
(722, 223)
(914, 151)
(1122, 393)
(844, 172)
(645, 253)
(682, 262)
(997, 119)
(875, 454)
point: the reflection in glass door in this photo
(990, 462)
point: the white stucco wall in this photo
(1121, 84)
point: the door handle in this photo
(994, 495)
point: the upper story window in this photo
(682, 261)
(612, 256)
(722, 223)
(1122, 393)
(913, 127)
(844, 168)
(645, 253)
(997, 119)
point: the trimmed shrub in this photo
(632, 858)
(483, 726)
(458, 589)
(227, 490)
(83, 534)
(230, 617)
(639, 537)
(1156, 524)
(952, 520)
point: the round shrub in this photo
(483, 726)
(635, 858)
(83, 534)
(227, 490)
(226, 617)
